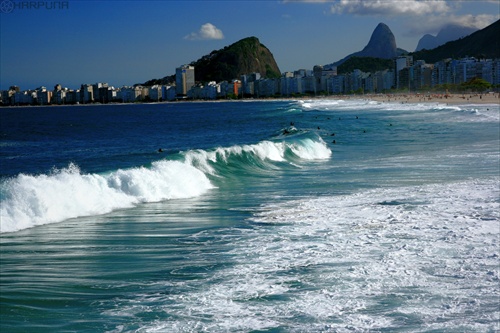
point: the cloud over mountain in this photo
(207, 31)
(421, 16)
(389, 7)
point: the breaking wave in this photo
(31, 200)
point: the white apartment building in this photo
(23, 97)
(267, 87)
(59, 97)
(155, 93)
(168, 93)
(43, 96)
(291, 85)
(86, 93)
(401, 63)
(130, 94)
(209, 91)
(336, 84)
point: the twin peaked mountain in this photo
(250, 56)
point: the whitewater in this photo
(313, 215)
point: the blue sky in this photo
(128, 42)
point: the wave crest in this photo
(31, 200)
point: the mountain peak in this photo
(382, 44)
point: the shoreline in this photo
(399, 98)
(449, 99)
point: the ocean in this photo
(315, 215)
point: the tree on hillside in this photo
(365, 64)
(476, 84)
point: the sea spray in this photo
(164, 180)
(311, 150)
(67, 193)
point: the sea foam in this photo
(372, 260)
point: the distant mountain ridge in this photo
(481, 44)
(447, 33)
(382, 44)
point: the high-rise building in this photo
(401, 63)
(86, 93)
(184, 79)
(317, 72)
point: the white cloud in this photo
(390, 7)
(421, 16)
(476, 21)
(306, 1)
(207, 31)
(418, 16)
(432, 24)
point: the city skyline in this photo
(124, 42)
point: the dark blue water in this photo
(252, 218)
(37, 139)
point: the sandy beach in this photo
(451, 99)
(488, 98)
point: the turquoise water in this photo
(251, 218)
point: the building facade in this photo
(184, 79)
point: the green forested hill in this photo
(243, 57)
